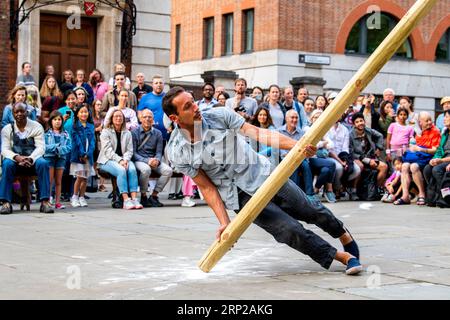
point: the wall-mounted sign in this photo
(314, 59)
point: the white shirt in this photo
(340, 137)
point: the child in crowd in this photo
(98, 116)
(398, 135)
(82, 156)
(57, 147)
(393, 183)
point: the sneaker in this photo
(59, 206)
(154, 201)
(137, 204)
(172, 196)
(6, 208)
(330, 197)
(145, 203)
(187, 202)
(75, 202)
(46, 208)
(128, 204)
(385, 196)
(353, 267)
(83, 202)
(353, 196)
(312, 198)
(51, 201)
(390, 199)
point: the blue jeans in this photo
(40, 168)
(306, 172)
(280, 219)
(324, 168)
(127, 180)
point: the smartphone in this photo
(68, 112)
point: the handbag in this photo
(419, 157)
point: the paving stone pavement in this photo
(104, 253)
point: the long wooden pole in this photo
(332, 114)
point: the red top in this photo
(429, 139)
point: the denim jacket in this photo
(57, 150)
(79, 136)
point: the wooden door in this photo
(64, 48)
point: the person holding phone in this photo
(240, 103)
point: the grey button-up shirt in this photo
(222, 154)
(296, 135)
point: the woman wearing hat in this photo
(445, 104)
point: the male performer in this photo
(210, 148)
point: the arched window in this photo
(368, 33)
(443, 48)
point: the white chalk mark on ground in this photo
(365, 206)
(346, 216)
(79, 257)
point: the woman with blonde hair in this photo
(17, 94)
(51, 98)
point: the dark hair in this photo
(208, 84)
(326, 101)
(383, 105)
(225, 94)
(357, 116)
(120, 73)
(398, 159)
(167, 101)
(19, 104)
(24, 64)
(54, 115)
(240, 80)
(67, 94)
(77, 110)
(409, 101)
(259, 88)
(255, 121)
(447, 112)
(401, 109)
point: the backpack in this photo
(368, 189)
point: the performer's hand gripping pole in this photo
(332, 114)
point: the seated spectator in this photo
(222, 99)
(420, 153)
(23, 148)
(16, 95)
(98, 84)
(339, 152)
(366, 146)
(115, 158)
(58, 146)
(26, 78)
(130, 115)
(440, 164)
(262, 119)
(387, 116)
(148, 151)
(393, 183)
(80, 82)
(142, 88)
(67, 82)
(398, 136)
(445, 104)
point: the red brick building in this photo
(281, 30)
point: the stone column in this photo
(221, 77)
(313, 84)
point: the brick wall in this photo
(8, 62)
(303, 25)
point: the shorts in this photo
(56, 162)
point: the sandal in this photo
(421, 201)
(401, 202)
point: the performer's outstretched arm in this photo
(268, 137)
(213, 199)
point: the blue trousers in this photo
(10, 168)
(280, 219)
(127, 180)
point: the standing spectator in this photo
(276, 109)
(142, 88)
(67, 81)
(111, 99)
(331, 96)
(119, 67)
(82, 155)
(98, 117)
(302, 95)
(240, 103)
(51, 98)
(220, 88)
(115, 158)
(387, 116)
(208, 101)
(148, 151)
(339, 152)
(257, 94)
(80, 82)
(131, 121)
(262, 119)
(98, 84)
(153, 102)
(49, 71)
(440, 164)
(371, 116)
(57, 146)
(389, 95)
(222, 99)
(309, 106)
(34, 101)
(366, 146)
(413, 118)
(16, 95)
(398, 136)
(414, 162)
(81, 95)
(445, 104)
(290, 103)
(321, 103)
(22, 149)
(25, 79)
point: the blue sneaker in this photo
(330, 197)
(353, 267)
(312, 198)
